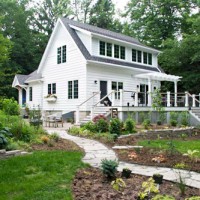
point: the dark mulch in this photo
(90, 184)
(146, 155)
(62, 144)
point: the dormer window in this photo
(105, 49)
(62, 54)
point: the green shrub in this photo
(115, 126)
(74, 130)
(174, 118)
(10, 107)
(90, 126)
(146, 123)
(163, 197)
(12, 146)
(101, 125)
(55, 137)
(193, 198)
(109, 168)
(184, 118)
(23, 131)
(130, 125)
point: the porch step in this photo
(196, 112)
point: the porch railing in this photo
(78, 107)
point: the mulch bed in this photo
(62, 144)
(146, 155)
(90, 184)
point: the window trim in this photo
(72, 93)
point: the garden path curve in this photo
(96, 151)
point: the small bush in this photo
(146, 123)
(90, 126)
(185, 118)
(55, 137)
(109, 168)
(74, 130)
(163, 197)
(115, 126)
(45, 139)
(12, 146)
(10, 107)
(130, 125)
(174, 118)
(101, 125)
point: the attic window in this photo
(61, 54)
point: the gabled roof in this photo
(68, 25)
(20, 79)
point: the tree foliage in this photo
(154, 21)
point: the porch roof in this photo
(159, 76)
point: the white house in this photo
(83, 64)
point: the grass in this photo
(181, 146)
(40, 176)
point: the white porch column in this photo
(186, 99)
(149, 92)
(168, 99)
(20, 96)
(121, 97)
(193, 101)
(77, 115)
(136, 99)
(175, 93)
(113, 97)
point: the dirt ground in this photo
(90, 184)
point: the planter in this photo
(126, 173)
(51, 99)
(158, 178)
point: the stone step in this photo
(2, 151)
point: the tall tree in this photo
(183, 57)
(154, 21)
(102, 14)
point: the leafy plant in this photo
(192, 154)
(89, 126)
(171, 147)
(55, 137)
(10, 107)
(146, 123)
(45, 139)
(130, 125)
(109, 168)
(148, 187)
(101, 125)
(184, 118)
(74, 130)
(174, 118)
(4, 135)
(180, 166)
(96, 118)
(118, 184)
(115, 126)
(163, 197)
(183, 136)
(193, 198)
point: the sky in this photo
(120, 3)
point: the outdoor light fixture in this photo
(95, 81)
(138, 86)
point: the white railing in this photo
(78, 107)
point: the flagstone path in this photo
(96, 151)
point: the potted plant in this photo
(51, 97)
(158, 178)
(126, 172)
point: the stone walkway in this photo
(95, 152)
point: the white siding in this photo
(73, 69)
(109, 74)
(36, 95)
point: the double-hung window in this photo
(51, 88)
(73, 89)
(61, 54)
(117, 86)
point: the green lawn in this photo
(181, 146)
(40, 176)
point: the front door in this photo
(144, 94)
(23, 96)
(103, 88)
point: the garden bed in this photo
(90, 184)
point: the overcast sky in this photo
(120, 3)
